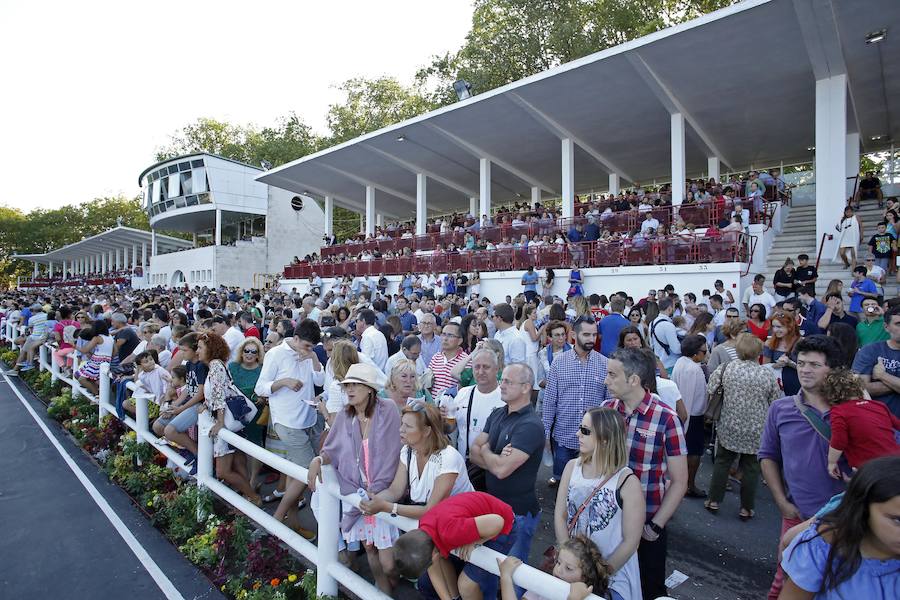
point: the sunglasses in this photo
(251, 351)
(584, 430)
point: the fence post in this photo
(12, 339)
(142, 416)
(204, 448)
(76, 387)
(54, 370)
(329, 525)
(42, 357)
(103, 393)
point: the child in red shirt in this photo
(456, 523)
(862, 429)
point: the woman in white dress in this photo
(849, 237)
(601, 498)
(532, 337)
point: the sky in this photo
(91, 89)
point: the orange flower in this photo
(256, 585)
(275, 582)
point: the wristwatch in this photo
(656, 528)
(394, 510)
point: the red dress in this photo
(760, 332)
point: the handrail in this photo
(324, 555)
(822, 247)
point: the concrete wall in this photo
(289, 232)
(211, 266)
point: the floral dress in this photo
(749, 390)
(216, 388)
(102, 353)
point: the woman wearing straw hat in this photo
(363, 446)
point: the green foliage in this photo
(9, 356)
(184, 513)
(200, 549)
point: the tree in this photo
(372, 104)
(513, 39)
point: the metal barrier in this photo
(329, 571)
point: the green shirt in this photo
(245, 379)
(868, 333)
(467, 377)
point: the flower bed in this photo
(241, 561)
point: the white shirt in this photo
(155, 381)
(668, 392)
(647, 224)
(440, 463)
(287, 407)
(374, 344)
(482, 406)
(513, 345)
(691, 382)
(233, 337)
(420, 364)
(765, 299)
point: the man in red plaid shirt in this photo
(656, 454)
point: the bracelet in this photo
(394, 510)
(656, 528)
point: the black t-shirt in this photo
(781, 276)
(196, 376)
(805, 273)
(131, 342)
(869, 183)
(525, 431)
(881, 244)
(462, 284)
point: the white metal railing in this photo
(329, 571)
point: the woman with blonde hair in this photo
(403, 384)
(245, 370)
(749, 389)
(580, 305)
(341, 355)
(601, 498)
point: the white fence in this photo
(329, 571)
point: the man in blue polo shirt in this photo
(861, 288)
(529, 280)
(611, 325)
(407, 320)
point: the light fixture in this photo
(463, 89)
(401, 138)
(876, 36)
(876, 138)
(266, 165)
(811, 148)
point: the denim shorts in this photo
(183, 420)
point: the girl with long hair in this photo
(853, 551)
(600, 497)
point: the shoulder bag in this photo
(241, 409)
(550, 554)
(717, 398)
(817, 422)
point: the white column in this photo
(103, 259)
(35, 272)
(679, 170)
(134, 256)
(614, 183)
(218, 228)
(712, 168)
(852, 160)
(195, 239)
(379, 220)
(484, 187)
(109, 264)
(153, 243)
(370, 210)
(535, 196)
(568, 179)
(473, 208)
(50, 269)
(831, 153)
(125, 257)
(329, 215)
(422, 203)
(144, 261)
(118, 259)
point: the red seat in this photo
(698, 215)
(642, 254)
(675, 251)
(421, 263)
(608, 254)
(715, 250)
(425, 242)
(502, 260)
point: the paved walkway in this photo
(57, 542)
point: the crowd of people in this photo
(443, 408)
(636, 218)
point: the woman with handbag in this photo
(213, 351)
(747, 389)
(430, 468)
(245, 373)
(600, 497)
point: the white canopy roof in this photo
(112, 239)
(743, 77)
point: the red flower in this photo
(275, 582)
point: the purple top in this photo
(802, 454)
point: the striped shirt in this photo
(654, 433)
(573, 388)
(441, 368)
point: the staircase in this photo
(799, 236)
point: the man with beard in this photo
(575, 384)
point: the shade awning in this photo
(112, 239)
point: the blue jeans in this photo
(524, 530)
(561, 456)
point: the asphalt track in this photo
(57, 541)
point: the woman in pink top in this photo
(66, 346)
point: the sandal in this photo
(745, 514)
(712, 507)
(275, 496)
(694, 492)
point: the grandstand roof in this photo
(111, 239)
(744, 78)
